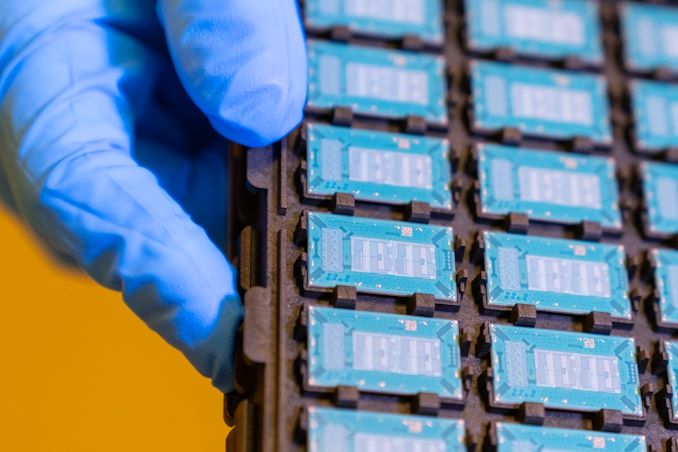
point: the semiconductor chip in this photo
(546, 103)
(527, 438)
(333, 430)
(655, 111)
(379, 18)
(380, 256)
(377, 82)
(536, 28)
(672, 370)
(385, 353)
(650, 34)
(564, 370)
(379, 167)
(557, 275)
(660, 191)
(547, 186)
(665, 264)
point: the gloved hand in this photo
(109, 161)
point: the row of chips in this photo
(574, 277)
(532, 28)
(391, 168)
(394, 354)
(333, 430)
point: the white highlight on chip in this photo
(406, 11)
(667, 194)
(579, 371)
(557, 27)
(565, 188)
(569, 276)
(662, 116)
(390, 353)
(547, 103)
(672, 283)
(369, 442)
(386, 83)
(669, 38)
(391, 257)
(390, 168)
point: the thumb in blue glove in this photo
(109, 161)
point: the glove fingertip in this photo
(244, 66)
(267, 115)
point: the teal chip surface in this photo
(660, 191)
(536, 28)
(379, 18)
(333, 430)
(527, 438)
(556, 275)
(564, 370)
(377, 82)
(380, 167)
(666, 283)
(672, 370)
(380, 256)
(548, 186)
(546, 103)
(385, 353)
(650, 34)
(655, 112)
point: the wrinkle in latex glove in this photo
(87, 96)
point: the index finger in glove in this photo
(70, 91)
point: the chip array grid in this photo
(273, 405)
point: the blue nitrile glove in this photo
(109, 161)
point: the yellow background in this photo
(81, 373)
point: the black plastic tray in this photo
(268, 407)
